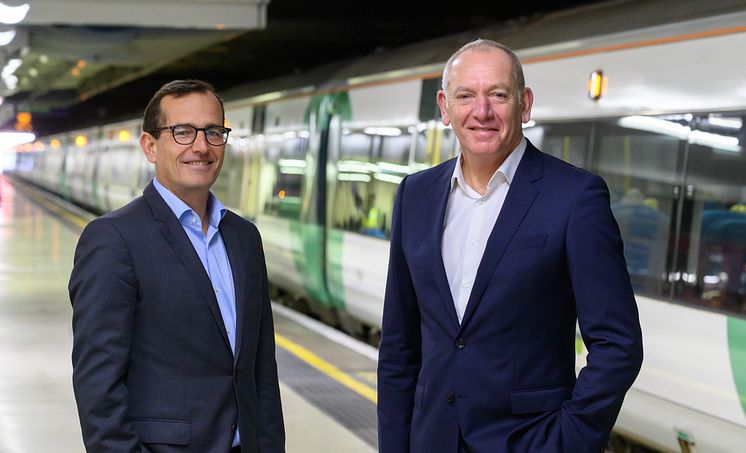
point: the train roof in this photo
(533, 37)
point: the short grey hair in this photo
(517, 70)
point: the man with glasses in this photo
(173, 346)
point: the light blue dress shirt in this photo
(212, 253)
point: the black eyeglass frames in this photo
(185, 134)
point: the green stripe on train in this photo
(335, 265)
(737, 349)
(306, 245)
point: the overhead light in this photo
(726, 122)
(10, 140)
(13, 14)
(81, 141)
(393, 168)
(676, 130)
(650, 124)
(715, 141)
(386, 131)
(6, 37)
(7, 73)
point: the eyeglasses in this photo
(185, 134)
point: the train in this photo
(649, 95)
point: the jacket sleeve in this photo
(103, 292)
(399, 356)
(271, 424)
(608, 319)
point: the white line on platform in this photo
(328, 332)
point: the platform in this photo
(327, 379)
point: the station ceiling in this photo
(87, 62)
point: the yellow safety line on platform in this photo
(327, 368)
(76, 219)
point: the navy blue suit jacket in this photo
(153, 370)
(505, 377)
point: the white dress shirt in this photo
(470, 218)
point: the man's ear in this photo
(148, 145)
(442, 104)
(526, 103)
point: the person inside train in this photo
(495, 255)
(173, 338)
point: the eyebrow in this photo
(497, 86)
(194, 125)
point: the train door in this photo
(372, 141)
(291, 198)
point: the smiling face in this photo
(482, 104)
(186, 170)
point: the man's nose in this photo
(200, 143)
(482, 107)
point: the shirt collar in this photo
(507, 169)
(215, 209)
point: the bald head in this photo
(486, 45)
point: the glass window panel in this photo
(374, 161)
(283, 173)
(567, 141)
(640, 168)
(713, 239)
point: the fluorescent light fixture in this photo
(291, 171)
(676, 130)
(10, 140)
(729, 123)
(295, 163)
(387, 131)
(6, 37)
(356, 177)
(7, 73)
(393, 168)
(355, 166)
(13, 14)
(649, 124)
(718, 141)
(388, 178)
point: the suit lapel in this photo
(177, 239)
(439, 199)
(519, 199)
(239, 272)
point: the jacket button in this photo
(233, 427)
(451, 398)
(235, 375)
(460, 343)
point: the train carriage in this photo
(315, 162)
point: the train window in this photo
(642, 169)
(436, 143)
(568, 141)
(373, 162)
(228, 185)
(283, 173)
(712, 268)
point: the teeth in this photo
(198, 163)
